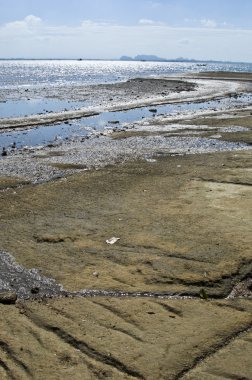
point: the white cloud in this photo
(208, 23)
(28, 22)
(94, 23)
(144, 21)
(32, 20)
(17, 29)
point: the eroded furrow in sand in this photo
(185, 373)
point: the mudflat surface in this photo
(171, 299)
(183, 223)
(224, 75)
(137, 88)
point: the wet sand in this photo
(184, 225)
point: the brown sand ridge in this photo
(184, 223)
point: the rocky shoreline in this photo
(171, 297)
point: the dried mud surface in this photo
(184, 223)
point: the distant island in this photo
(146, 57)
(154, 58)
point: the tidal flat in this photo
(171, 298)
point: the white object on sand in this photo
(112, 240)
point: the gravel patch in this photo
(44, 164)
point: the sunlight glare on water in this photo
(62, 72)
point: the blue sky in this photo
(202, 29)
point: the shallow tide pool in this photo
(43, 135)
(17, 108)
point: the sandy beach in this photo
(170, 296)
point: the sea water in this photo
(72, 72)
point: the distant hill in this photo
(154, 58)
(126, 58)
(145, 57)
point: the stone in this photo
(35, 290)
(8, 297)
(4, 152)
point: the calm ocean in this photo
(73, 72)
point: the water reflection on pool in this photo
(43, 135)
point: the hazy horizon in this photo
(178, 59)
